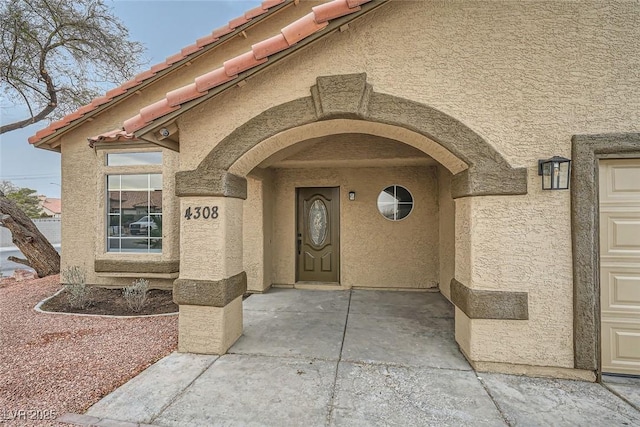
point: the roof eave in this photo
(45, 143)
(334, 25)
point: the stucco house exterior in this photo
(380, 145)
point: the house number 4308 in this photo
(200, 212)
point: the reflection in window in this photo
(134, 213)
(131, 159)
(395, 202)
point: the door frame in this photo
(336, 216)
(586, 151)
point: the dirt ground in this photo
(51, 364)
(111, 301)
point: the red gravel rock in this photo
(62, 363)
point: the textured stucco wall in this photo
(84, 231)
(447, 250)
(253, 232)
(408, 258)
(524, 75)
(256, 229)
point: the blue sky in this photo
(164, 27)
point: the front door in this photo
(620, 265)
(318, 234)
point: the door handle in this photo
(299, 243)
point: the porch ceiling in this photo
(348, 150)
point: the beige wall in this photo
(526, 76)
(446, 248)
(257, 230)
(84, 231)
(374, 252)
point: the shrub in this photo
(78, 293)
(136, 294)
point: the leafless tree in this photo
(56, 55)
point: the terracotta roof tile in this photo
(159, 67)
(53, 205)
(100, 100)
(129, 84)
(309, 24)
(183, 94)
(186, 51)
(58, 124)
(255, 12)
(302, 28)
(85, 109)
(203, 41)
(212, 79)
(175, 58)
(148, 74)
(43, 133)
(268, 4)
(332, 10)
(270, 46)
(242, 63)
(115, 92)
(238, 22)
(133, 123)
(144, 75)
(112, 136)
(74, 116)
(222, 31)
(157, 109)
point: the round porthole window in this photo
(395, 202)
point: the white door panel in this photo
(620, 265)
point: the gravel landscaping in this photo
(56, 363)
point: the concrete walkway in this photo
(351, 358)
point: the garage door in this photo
(620, 265)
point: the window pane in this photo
(135, 182)
(135, 214)
(128, 159)
(403, 211)
(395, 202)
(403, 195)
(155, 245)
(386, 196)
(113, 182)
(114, 245)
(155, 181)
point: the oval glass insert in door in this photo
(318, 220)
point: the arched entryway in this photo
(339, 105)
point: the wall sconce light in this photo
(555, 173)
(352, 195)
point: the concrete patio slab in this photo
(152, 390)
(296, 300)
(421, 342)
(528, 401)
(402, 368)
(628, 388)
(400, 304)
(291, 334)
(368, 395)
(241, 390)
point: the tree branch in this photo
(19, 261)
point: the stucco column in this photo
(211, 283)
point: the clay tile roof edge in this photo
(295, 35)
(251, 17)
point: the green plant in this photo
(78, 293)
(136, 294)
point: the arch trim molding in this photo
(351, 97)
